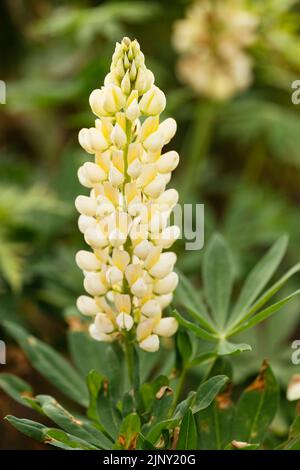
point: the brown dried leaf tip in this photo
(165, 390)
(259, 382)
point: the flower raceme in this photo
(128, 276)
(212, 41)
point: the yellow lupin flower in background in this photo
(212, 42)
(128, 277)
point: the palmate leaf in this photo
(258, 278)
(226, 348)
(246, 313)
(266, 296)
(50, 364)
(188, 297)
(264, 314)
(256, 408)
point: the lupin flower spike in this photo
(128, 277)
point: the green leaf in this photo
(256, 408)
(63, 440)
(86, 353)
(194, 328)
(16, 388)
(184, 347)
(30, 428)
(156, 430)
(258, 278)
(226, 348)
(108, 415)
(183, 406)
(293, 441)
(186, 295)
(162, 403)
(71, 424)
(50, 364)
(143, 444)
(221, 366)
(129, 432)
(264, 314)
(149, 391)
(187, 439)
(218, 276)
(94, 384)
(207, 392)
(202, 358)
(270, 292)
(215, 422)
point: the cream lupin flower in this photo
(128, 277)
(211, 41)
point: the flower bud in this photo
(150, 344)
(164, 300)
(98, 335)
(86, 205)
(166, 285)
(124, 321)
(164, 266)
(95, 237)
(103, 323)
(90, 174)
(168, 162)
(151, 308)
(85, 222)
(93, 284)
(133, 111)
(113, 99)
(139, 288)
(144, 329)
(87, 261)
(166, 327)
(87, 305)
(142, 249)
(118, 136)
(117, 238)
(114, 275)
(153, 102)
(96, 102)
(156, 187)
(168, 236)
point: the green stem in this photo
(205, 114)
(129, 360)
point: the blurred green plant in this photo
(19, 210)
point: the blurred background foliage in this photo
(240, 156)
